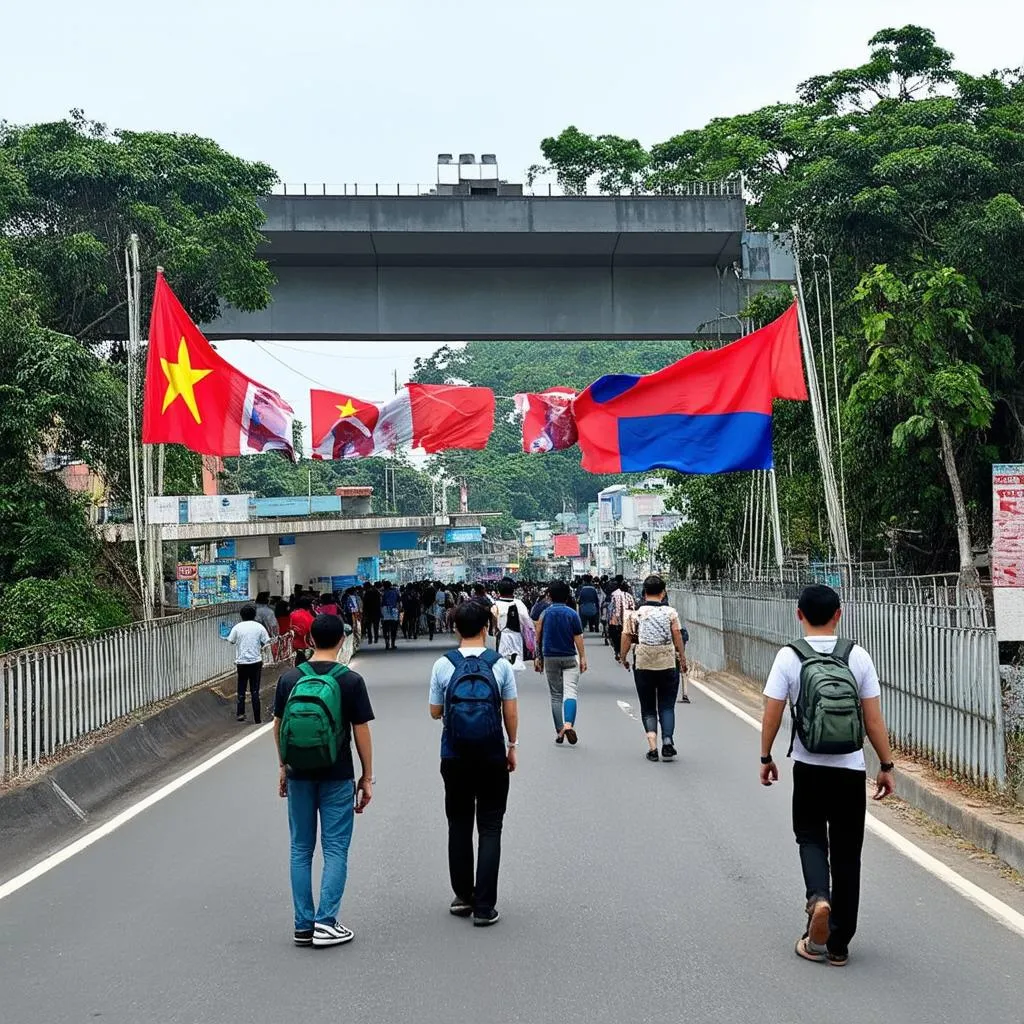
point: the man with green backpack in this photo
(835, 698)
(319, 708)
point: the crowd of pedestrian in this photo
(321, 707)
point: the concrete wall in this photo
(427, 303)
(316, 555)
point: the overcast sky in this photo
(372, 91)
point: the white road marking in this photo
(101, 831)
(992, 905)
(627, 709)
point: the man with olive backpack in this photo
(832, 688)
(319, 708)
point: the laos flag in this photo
(708, 413)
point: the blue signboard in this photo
(287, 540)
(399, 540)
(292, 508)
(226, 548)
(464, 535)
(368, 569)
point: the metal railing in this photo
(52, 696)
(717, 189)
(938, 662)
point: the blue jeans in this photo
(334, 802)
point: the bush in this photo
(36, 611)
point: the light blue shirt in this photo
(443, 671)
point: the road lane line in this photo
(104, 830)
(981, 898)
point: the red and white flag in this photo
(435, 417)
(194, 397)
(548, 420)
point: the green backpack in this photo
(311, 725)
(827, 716)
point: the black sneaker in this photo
(239, 718)
(484, 918)
(304, 937)
(668, 751)
(560, 738)
(460, 908)
(652, 755)
(684, 699)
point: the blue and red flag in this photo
(711, 412)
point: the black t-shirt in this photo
(355, 710)
(371, 602)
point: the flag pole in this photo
(137, 502)
(836, 519)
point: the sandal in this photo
(806, 950)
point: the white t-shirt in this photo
(784, 684)
(503, 604)
(249, 639)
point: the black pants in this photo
(390, 630)
(249, 678)
(615, 639)
(590, 622)
(829, 808)
(371, 628)
(480, 791)
(657, 690)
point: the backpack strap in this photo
(335, 672)
(456, 658)
(843, 649)
(803, 650)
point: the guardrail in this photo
(717, 189)
(938, 664)
(53, 695)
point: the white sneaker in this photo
(331, 934)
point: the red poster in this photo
(567, 545)
(1008, 525)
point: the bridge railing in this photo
(717, 189)
(937, 661)
(54, 695)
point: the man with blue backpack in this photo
(473, 692)
(319, 708)
(834, 694)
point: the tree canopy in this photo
(905, 162)
(71, 194)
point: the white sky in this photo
(337, 91)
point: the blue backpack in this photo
(472, 707)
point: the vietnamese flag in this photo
(195, 398)
(710, 412)
(435, 417)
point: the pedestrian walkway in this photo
(630, 891)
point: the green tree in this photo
(907, 161)
(918, 332)
(84, 189)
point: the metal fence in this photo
(935, 651)
(717, 189)
(53, 695)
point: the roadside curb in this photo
(991, 827)
(53, 809)
(980, 825)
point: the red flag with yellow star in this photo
(195, 398)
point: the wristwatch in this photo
(886, 766)
(767, 760)
(512, 746)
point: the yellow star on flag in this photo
(181, 380)
(348, 409)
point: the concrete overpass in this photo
(442, 268)
(329, 546)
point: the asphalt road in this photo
(630, 892)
